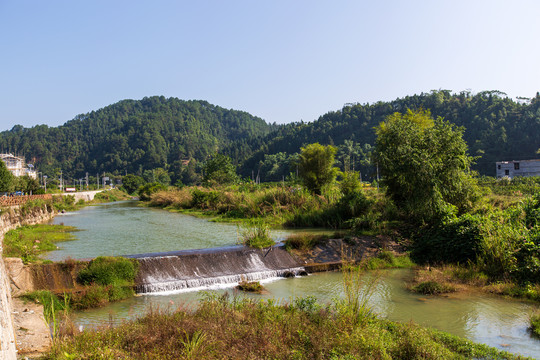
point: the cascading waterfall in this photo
(160, 272)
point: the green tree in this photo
(219, 170)
(316, 166)
(7, 179)
(424, 165)
(27, 184)
(131, 183)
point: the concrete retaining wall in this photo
(8, 221)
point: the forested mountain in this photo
(496, 128)
(137, 136)
(133, 136)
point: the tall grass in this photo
(28, 242)
(224, 328)
(359, 289)
(255, 234)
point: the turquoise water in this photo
(123, 228)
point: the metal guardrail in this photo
(21, 199)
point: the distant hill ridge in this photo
(134, 135)
(496, 127)
(157, 132)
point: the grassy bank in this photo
(101, 281)
(289, 206)
(245, 329)
(28, 242)
(457, 278)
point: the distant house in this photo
(515, 168)
(17, 165)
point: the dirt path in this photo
(31, 331)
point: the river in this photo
(123, 228)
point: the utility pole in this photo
(61, 182)
(87, 181)
(97, 181)
(45, 182)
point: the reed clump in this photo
(280, 204)
(255, 234)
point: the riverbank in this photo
(23, 329)
(446, 279)
(11, 219)
(221, 327)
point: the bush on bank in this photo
(291, 206)
(505, 244)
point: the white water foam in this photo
(155, 287)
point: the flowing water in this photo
(124, 228)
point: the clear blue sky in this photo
(281, 60)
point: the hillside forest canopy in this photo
(177, 137)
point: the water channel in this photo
(123, 228)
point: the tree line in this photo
(176, 138)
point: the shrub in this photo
(535, 323)
(105, 270)
(304, 241)
(432, 288)
(456, 241)
(146, 191)
(250, 286)
(256, 235)
(387, 260)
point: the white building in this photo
(515, 168)
(17, 165)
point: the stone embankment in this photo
(8, 221)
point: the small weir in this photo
(182, 270)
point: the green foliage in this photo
(425, 166)
(132, 183)
(492, 122)
(535, 323)
(146, 191)
(250, 286)
(333, 215)
(219, 170)
(134, 136)
(27, 185)
(105, 270)
(28, 242)
(256, 234)
(106, 279)
(350, 183)
(110, 196)
(303, 241)
(358, 289)
(248, 329)
(456, 240)
(64, 203)
(316, 166)
(46, 298)
(515, 187)
(7, 180)
(387, 260)
(432, 288)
